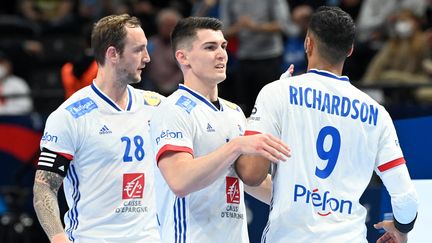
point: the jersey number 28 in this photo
(137, 147)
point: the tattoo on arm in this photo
(45, 202)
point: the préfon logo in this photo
(49, 138)
(167, 134)
(322, 201)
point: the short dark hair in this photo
(335, 31)
(111, 31)
(186, 29)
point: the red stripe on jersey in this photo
(391, 164)
(67, 156)
(173, 148)
(247, 133)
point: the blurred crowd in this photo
(45, 53)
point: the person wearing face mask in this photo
(400, 60)
(14, 92)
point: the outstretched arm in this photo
(185, 174)
(45, 202)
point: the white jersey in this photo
(188, 122)
(109, 186)
(338, 136)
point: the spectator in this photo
(80, 72)
(401, 58)
(259, 27)
(294, 45)
(52, 16)
(15, 96)
(163, 73)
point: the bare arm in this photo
(263, 192)
(252, 170)
(185, 174)
(45, 202)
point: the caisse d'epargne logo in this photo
(232, 190)
(133, 186)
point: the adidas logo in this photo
(209, 128)
(104, 130)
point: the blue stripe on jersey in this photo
(330, 75)
(108, 100)
(198, 96)
(180, 220)
(266, 229)
(184, 219)
(130, 100)
(76, 196)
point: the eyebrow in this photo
(214, 42)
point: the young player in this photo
(338, 136)
(197, 138)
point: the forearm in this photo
(403, 195)
(252, 170)
(263, 192)
(185, 175)
(45, 202)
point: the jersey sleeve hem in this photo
(391, 164)
(173, 148)
(405, 228)
(248, 133)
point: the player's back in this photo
(334, 131)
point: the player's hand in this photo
(288, 73)
(60, 238)
(265, 145)
(392, 235)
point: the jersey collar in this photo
(108, 99)
(329, 74)
(200, 97)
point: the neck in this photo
(317, 63)
(112, 88)
(208, 91)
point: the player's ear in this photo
(111, 54)
(350, 50)
(182, 57)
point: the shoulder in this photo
(230, 105)
(181, 102)
(150, 98)
(78, 105)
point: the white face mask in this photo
(3, 71)
(403, 28)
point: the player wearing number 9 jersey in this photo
(338, 136)
(97, 144)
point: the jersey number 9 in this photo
(332, 154)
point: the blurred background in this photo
(45, 57)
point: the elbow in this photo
(179, 189)
(252, 174)
(252, 179)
